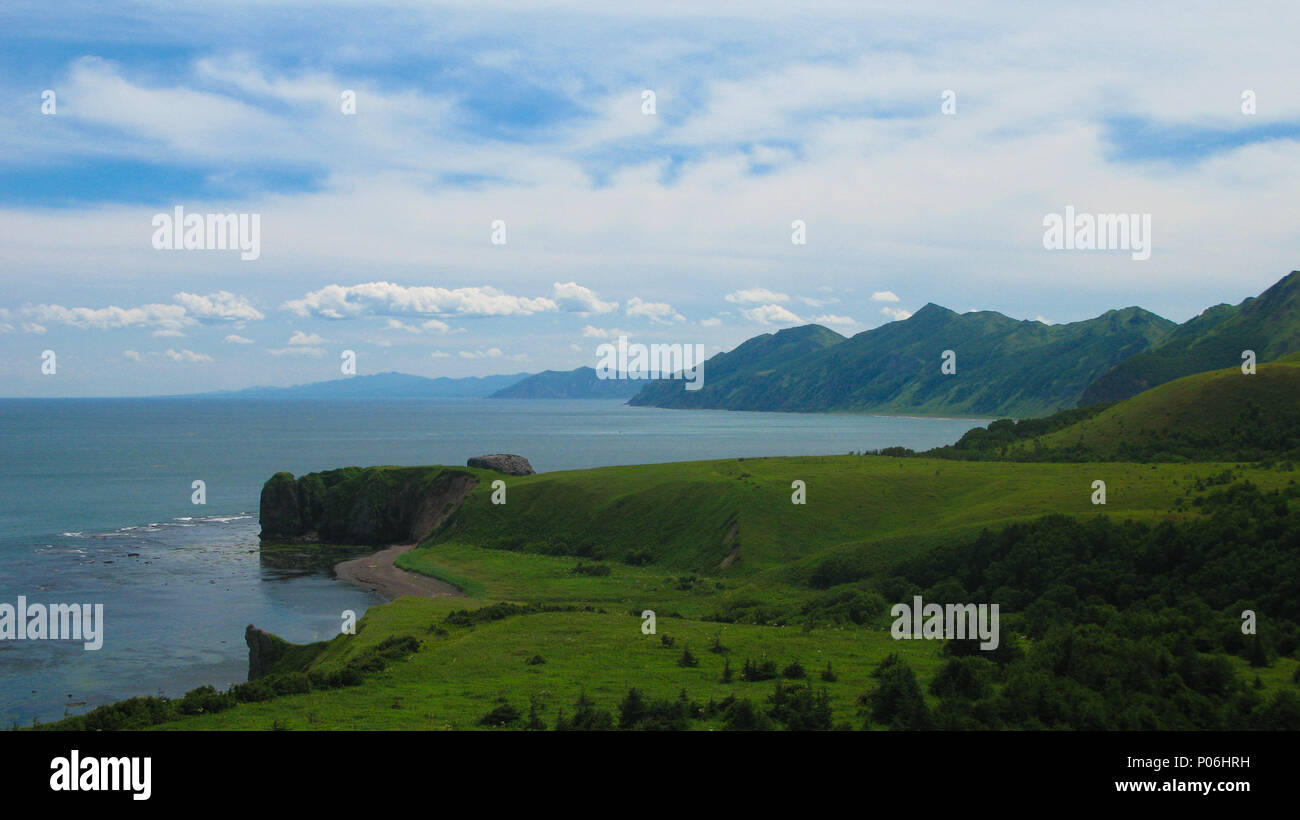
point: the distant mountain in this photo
(381, 386)
(1269, 324)
(731, 372)
(1004, 366)
(569, 384)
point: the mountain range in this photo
(999, 366)
(569, 384)
(380, 386)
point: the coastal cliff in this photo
(364, 506)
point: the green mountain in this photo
(1004, 366)
(1269, 324)
(569, 384)
(728, 372)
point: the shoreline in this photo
(379, 573)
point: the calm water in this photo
(95, 507)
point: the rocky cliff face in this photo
(502, 463)
(264, 649)
(364, 506)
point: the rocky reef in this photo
(502, 463)
(370, 506)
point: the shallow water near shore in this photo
(96, 507)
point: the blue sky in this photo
(376, 227)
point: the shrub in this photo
(503, 715)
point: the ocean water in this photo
(96, 507)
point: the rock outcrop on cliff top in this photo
(502, 463)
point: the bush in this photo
(754, 672)
(205, 700)
(503, 715)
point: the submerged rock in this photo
(502, 463)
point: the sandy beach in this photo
(379, 573)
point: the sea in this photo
(97, 506)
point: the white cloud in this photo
(168, 334)
(236, 339)
(592, 332)
(168, 317)
(32, 327)
(896, 313)
(712, 321)
(884, 296)
(221, 306)
(186, 356)
(831, 319)
(300, 338)
(574, 298)
(388, 299)
(490, 353)
(658, 312)
(756, 295)
(440, 354)
(295, 351)
(811, 302)
(771, 315)
(133, 355)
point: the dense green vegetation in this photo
(1224, 415)
(1004, 366)
(1268, 324)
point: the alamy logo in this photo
(55, 622)
(1100, 232)
(656, 361)
(102, 774)
(951, 622)
(179, 231)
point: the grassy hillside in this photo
(1004, 366)
(740, 577)
(1269, 324)
(1224, 411)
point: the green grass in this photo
(1209, 405)
(454, 680)
(874, 510)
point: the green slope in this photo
(1004, 366)
(1224, 413)
(1269, 324)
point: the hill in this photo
(380, 386)
(1269, 324)
(581, 383)
(1224, 415)
(1004, 366)
(728, 373)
